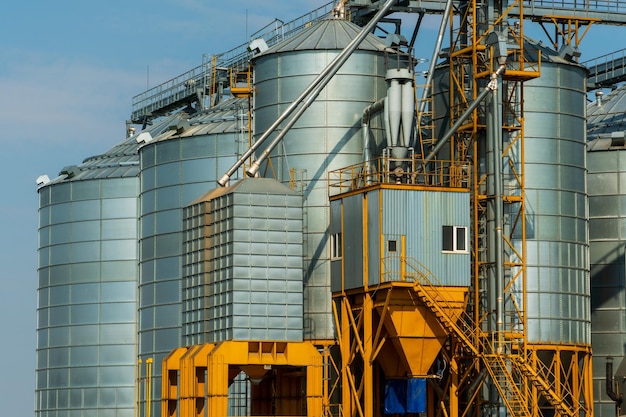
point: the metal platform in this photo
(193, 85)
(604, 11)
(606, 70)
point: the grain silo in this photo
(606, 163)
(87, 292)
(545, 254)
(179, 163)
(326, 137)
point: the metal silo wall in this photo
(557, 278)
(86, 332)
(607, 220)
(254, 289)
(325, 138)
(175, 170)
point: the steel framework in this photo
(530, 379)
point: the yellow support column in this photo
(368, 372)
(170, 384)
(454, 387)
(217, 389)
(314, 385)
(148, 387)
(186, 383)
(344, 344)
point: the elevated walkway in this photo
(605, 11)
(606, 70)
(195, 84)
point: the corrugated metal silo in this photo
(181, 163)
(326, 137)
(557, 278)
(606, 162)
(86, 331)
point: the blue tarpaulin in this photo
(395, 396)
(404, 396)
(416, 395)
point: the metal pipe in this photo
(433, 61)
(407, 111)
(323, 78)
(617, 398)
(498, 209)
(256, 165)
(418, 24)
(365, 130)
(394, 99)
(440, 144)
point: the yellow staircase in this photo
(501, 366)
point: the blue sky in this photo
(68, 71)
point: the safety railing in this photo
(604, 6)
(185, 86)
(607, 69)
(406, 171)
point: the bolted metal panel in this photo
(409, 224)
(335, 232)
(374, 228)
(607, 222)
(353, 243)
(326, 137)
(250, 252)
(419, 217)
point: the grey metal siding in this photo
(353, 238)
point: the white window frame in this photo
(457, 246)
(336, 246)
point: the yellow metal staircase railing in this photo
(543, 386)
(501, 365)
(497, 365)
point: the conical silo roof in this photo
(121, 161)
(330, 34)
(608, 115)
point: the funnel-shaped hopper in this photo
(416, 331)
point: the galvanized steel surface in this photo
(326, 137)
(557, 278)
(557, 281)
(606, 163)
(87, 304)
(244, 260)
(607, 115)
(395, 217)
(179, 165)
(86, 333)
(420, 217)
